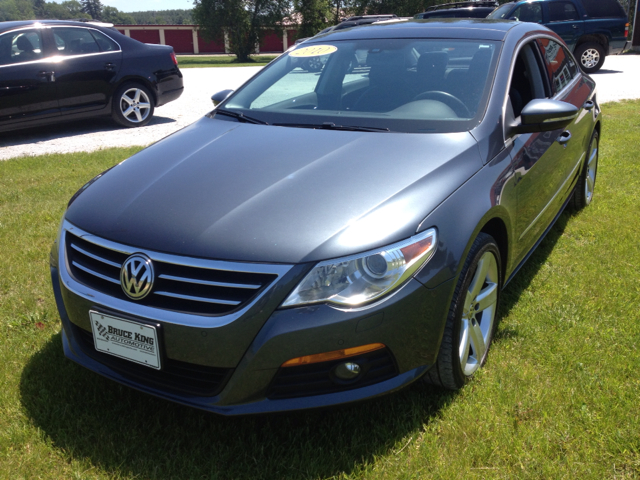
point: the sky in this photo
(145, 5)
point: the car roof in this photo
(471, 28)
(6, 26)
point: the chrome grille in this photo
(180, 285)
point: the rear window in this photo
(603, 8)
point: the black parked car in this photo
(322, 238)
(592, 29)
(478, 9)
(57, 70)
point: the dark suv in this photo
(591, 28)
(459, 10)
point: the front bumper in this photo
(410, 324)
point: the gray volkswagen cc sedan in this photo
(323, 237)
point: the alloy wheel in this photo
(135, 105)
(479, 314)
(590, 58)
(592, 167)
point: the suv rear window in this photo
(603, 8)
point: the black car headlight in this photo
(363, 278)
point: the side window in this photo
(603, 8)
(19, 47)
(559, 63)
(562, 12)
(529, 12)
(74, 41)
(526, 81)
(105, 43)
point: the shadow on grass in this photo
(128, 433)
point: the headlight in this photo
(362, 278)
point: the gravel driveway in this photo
(618, 80)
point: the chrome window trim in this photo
(152, 313)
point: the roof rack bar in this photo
(470, 3)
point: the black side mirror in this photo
(543, 115)
(217, 98)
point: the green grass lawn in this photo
(559, 397)
(203, 61)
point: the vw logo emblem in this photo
(136, 276)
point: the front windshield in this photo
(501, 12)
(403, 85)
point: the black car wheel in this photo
(132, 105)
(591, 56)
(314, 64)
(583, 194)
(472, 317)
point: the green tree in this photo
(39, 8)
(115, 16)
(71, 9)
(243, 20)
(314, 16)
(16, 10)
(92, 8)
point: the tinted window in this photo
(529, 12)
(21, 46)
(74, 41)
(562, 12)
(501, 12)
(560, 64)
(105, 43)
(403, 85)
(603, 8)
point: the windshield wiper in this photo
(332, 126)
(241, 116)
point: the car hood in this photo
(236, 191)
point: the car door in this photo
(546, 163)
(564, 19)
(27, 81)
(88, 66)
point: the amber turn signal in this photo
(335, 355)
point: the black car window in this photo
(105, 43)
(560, 64)
(19, 47)
(74, 41)
(562, 12)
(603, 8)
(529, 12)
(526, 80)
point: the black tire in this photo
(590, 56)
(466, 321)
(583, 193)
(132, 105)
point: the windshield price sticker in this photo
(125, 339)
(314, 51)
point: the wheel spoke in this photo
(594, 156)
(127, 99)
(479, 277)
(137, 95)
(138, 116)
(127, 112)
(590, 184)
(146, 106)
(465, 343)
(477, 341)
(487, 297)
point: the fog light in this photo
(347, 371)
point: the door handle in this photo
(47, 76)
(110, 66)
(588, 105)
(564, 138)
